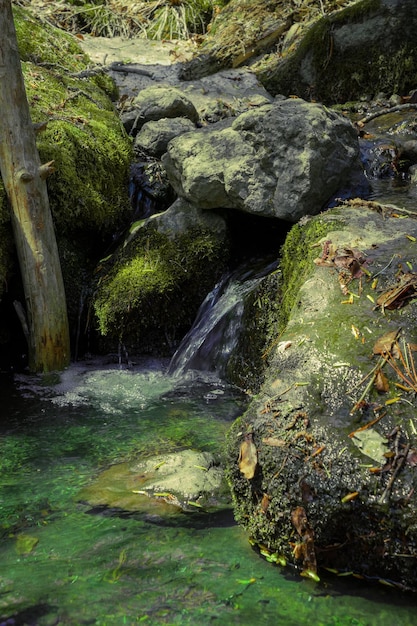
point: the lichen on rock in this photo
(282, 160)
(320, 391)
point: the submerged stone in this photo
(186, 480)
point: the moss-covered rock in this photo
(332, 433)
(150, 289)
(328, 51)
(367, 48)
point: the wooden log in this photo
(24, 181)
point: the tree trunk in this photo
(24, 179)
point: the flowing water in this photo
(215, 332)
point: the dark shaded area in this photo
(27, 617)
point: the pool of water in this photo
(64, 562)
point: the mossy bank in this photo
(77, 128)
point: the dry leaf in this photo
(395, 297)
(274, 441)
(248, 457)
(306, 549)
(381, 382)
(384, 344)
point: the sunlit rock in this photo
(186, 480)
(282, 160)
(334, 423)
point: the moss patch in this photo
(88, 145)
(148, 295)
(324, 67)
(300, 248)
(39, 42)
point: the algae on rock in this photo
(360, 504)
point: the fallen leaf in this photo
(384, 344)
(381, 382)
(248, 457)
(274, 441)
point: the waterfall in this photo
(212, 338)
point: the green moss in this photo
(150, 291)
(319, 70)
(88, 145)
(40, 42)
(297, 255)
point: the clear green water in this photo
(103, 568)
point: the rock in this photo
(183, 216)
(157, 102)
(327, 384)
(151, 287)
(329, 51)
(281, 160)
(186, 480)
(413, 174)
(225, 94)
(154, 136)
(361, 50)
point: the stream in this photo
(65, 562)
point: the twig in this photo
(394, 109)
(367, 425)
(400, 462)
(373, 374)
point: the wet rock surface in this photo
(333, 430)
(161, 485)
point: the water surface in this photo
(65, 562)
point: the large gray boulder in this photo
(282, 160)
(323, 463)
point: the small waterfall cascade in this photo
(211, 340)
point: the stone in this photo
(156, 102)
(366, 48)
(154, 136)
(182, 217)
(282, 160)
(327, 438)
(187, 480)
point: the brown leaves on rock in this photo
(304, 550)
(387, 344)
(248, 457)
(349, 262)
(395, 297)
